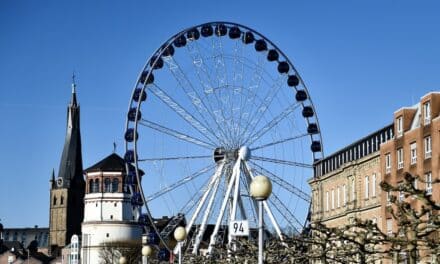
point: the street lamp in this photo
(122, 260)
(146, 252)
(180, 235)
(260, 190)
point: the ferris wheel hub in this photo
(244, 153)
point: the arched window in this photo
(95, 186)
(90, 186)
(115, 185)
(62, 200)
(107, 186)
(54, 200)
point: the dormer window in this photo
(399, 125)
(427, 113)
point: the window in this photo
(388, 199)
(54, 200)
(388, 163)
(338, 199)
(62, 200)
(428, 179)
(428, 147)
(401, 196)
(389, 226)
(95, 186)
(373, 185)
(91, 186)
(115, 185)
(399, 122)
(413, 148)
(353, 192)
(344, 195)
(326, 201)
(107, 186)
(333, 199)
(367, 183)
(400, 158)
(427, 112)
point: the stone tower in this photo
(110, 220)
(67, 190)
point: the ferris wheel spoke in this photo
(269, 125)
(283, 183)
(252, 91)
(285, 212)
(280, 141)
(191, 93)
(268, 99)
(182, 112)
(284, 162)
(175, 158)
(210, 88)
(202, 72)
(179, 183)
(176, 134)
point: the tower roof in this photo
(111, 163)
(71, 169)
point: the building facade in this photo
(67, 190)
(110, 219)
(346, 183)
(414, 150)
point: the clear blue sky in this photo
(361, 61)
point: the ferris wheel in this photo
(214, 106)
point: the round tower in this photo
(110, 220)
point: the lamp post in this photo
(180, 235)
(260, 190)
(146, 252)
(122, 260)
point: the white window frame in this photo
(413, 151)
(388, 163)
(367, 187)
(388, 198)
(399, 126)
(338, 197)
(428, 179)
(428, 147)
(373, 185)
(333, 199)
(401, 196)
(400, 158)
(327, 201)
(389, 226)
(427, 113)
(353, 189)
(344, 195)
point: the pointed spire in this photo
(53, 174)
(73, 102)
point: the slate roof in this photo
(113, 162)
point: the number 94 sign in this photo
(239, 228)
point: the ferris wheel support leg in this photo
(273, 220)
(212, 240)
(209, 187)
(202, 229)
(266, 207)
(236, 176)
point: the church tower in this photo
(67, 190)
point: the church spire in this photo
(73, 101)
(71, 170)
